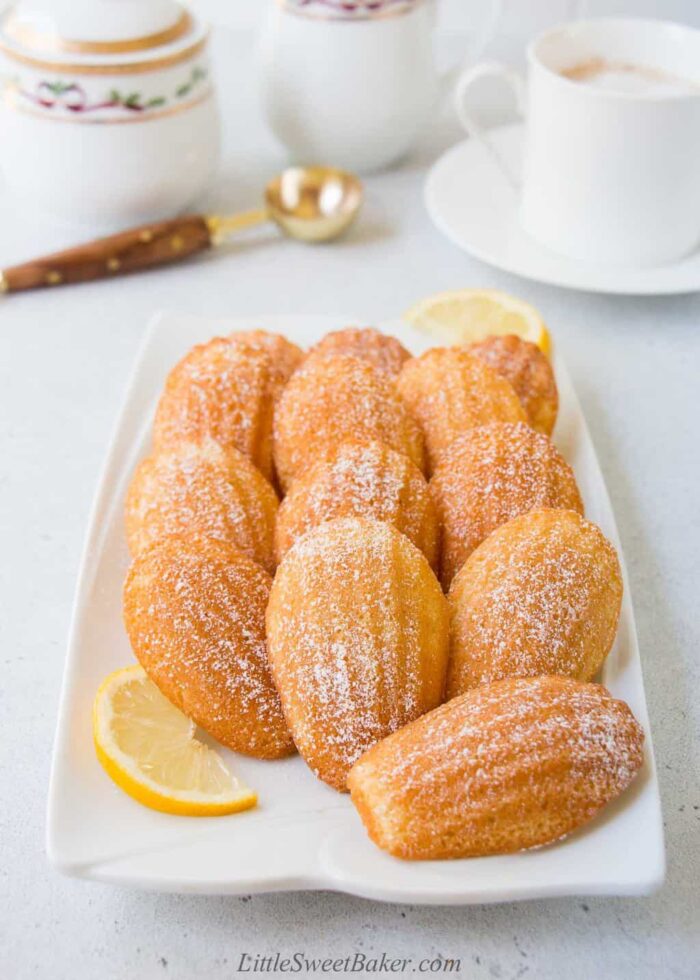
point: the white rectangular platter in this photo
(304, 835)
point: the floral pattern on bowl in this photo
(72, 98)
(94, 100)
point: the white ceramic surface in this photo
(303, 835)
(609, 175)
(475, 205)
(96, 20)
(353, 90)
(110, 177)
(106, 138)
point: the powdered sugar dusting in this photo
(223, 390)
(333, 399)
(358, 631)
(361, 480)
(448, 392)
(285, 356)
(383, 351)
(207, 489)
(357, 626)
(489, 475)
(503, 767)
(528, 370)
(195, 613)
(541, 595)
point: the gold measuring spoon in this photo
(312, 204)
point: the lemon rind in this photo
(418, 315)
(120, 768)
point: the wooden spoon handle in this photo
(128, 251)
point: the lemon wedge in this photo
(149, 749)
(465, 315)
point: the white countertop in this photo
(65, 357)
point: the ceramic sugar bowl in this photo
(108, 112)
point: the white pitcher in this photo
(353, 82)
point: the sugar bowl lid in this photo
(94, 31)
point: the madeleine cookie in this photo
(541, 595)
(489, 475)
(383, 351)
(285, 356)
(358, 635)
(223, 390)
(502, 768)
(202, 489)
(448, 391)
(194, 610)
(333, 399)
(529, 371)
(361, 480)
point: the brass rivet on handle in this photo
(146, 236)
(177, 243)
(53, 278)
(4, 287)
(113, 265)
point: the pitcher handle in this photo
(489, 69)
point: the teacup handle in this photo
(489, 69)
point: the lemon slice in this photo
(465, 315)
(149, 749)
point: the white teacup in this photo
(611, 169)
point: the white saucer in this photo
(473, 204)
